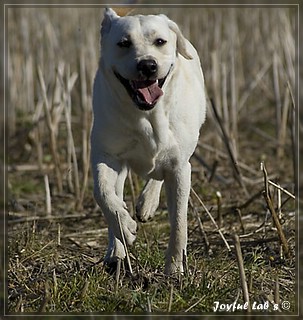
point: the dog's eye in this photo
(159, 42)
(124, 43)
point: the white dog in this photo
(149, 105)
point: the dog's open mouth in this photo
(145, 93)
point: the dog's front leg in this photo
(109, 177)
(177, 185)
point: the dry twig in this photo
(211, 218)
(219, 211)
(46, 299)
(170, 301)
(52, 123)
(274, 215)
(241, 270)
(282, 189)
(118, 271)
(230, 151)
(200, 224)
(124, 244)
(47, 196)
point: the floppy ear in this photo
(109, 16)
(181, 41)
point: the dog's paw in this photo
(145, 209)
(122, 221)
(174, 267)
(111, 266)
(129, 228)
(175, 261)
(148, 201)
(115, 251)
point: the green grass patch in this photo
(52, 278)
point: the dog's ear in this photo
(109, 16)
(181, 41)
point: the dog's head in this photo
(140, 51)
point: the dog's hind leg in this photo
(148, 201)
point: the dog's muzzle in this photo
(144, 93)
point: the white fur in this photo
(156, 144)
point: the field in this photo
(56, 235)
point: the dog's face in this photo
(140, 51)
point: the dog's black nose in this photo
(147, 67)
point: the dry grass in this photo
(57, 236)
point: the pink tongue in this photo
(151, 93)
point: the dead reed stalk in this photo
(211, 218)
(149, 307)
(124, 244)
(55, 280)
(117, 277)
(51, 124)
(19, 305)
(294, 137)
(274, 214)
(227, 142)
(47, 196)
(70, 81)
(200, 224)
(277, 290)
(242, 271)
(84, 290)
(219, 211)
(46, 298)
(59, 235)
(85, 102)
(170, 300)
(277, 93)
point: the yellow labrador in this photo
(148, 104)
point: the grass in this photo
(75, 285)
(55, 260)
(46, 276)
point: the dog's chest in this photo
(148, 144)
